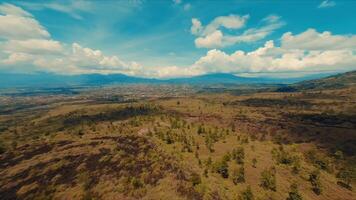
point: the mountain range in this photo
(54, 80)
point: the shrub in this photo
(221, 167)
(246, 194)
(238, 175)
(268, 179)
(314, 179)
(294, 194)
(282, 156)
(345, 176)
(238, 154)
(195, 178)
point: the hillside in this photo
(154, 145)
(338, 81)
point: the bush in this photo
(314, 179)
(294, 194)
(195, 178)
(345, 176)
(222, 168)
(282, 156)
(268, 179)
(246, 194)
(238, 175)
(319, 160)
(238, 154)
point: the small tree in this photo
(238, 175)
(268, 179)
(294, 194)
(246, 194)
(314, 179)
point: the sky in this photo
(178, 38)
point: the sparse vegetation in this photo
(268, 179)
(201, 146)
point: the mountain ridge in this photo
(8, 80)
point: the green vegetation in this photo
(294, 193)
(238, 175)
(246, 194)
(268, 179)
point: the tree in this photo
(314, 179)
(294, 194)
(238, 175)
(268, 179)
(246, 194)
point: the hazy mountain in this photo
(54, 80)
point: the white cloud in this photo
(229, 22)
(270, 58)
(212, 37)
(33, 46)
(20, 27)
(73, 7)
(312, 40)
(9, 9)
(326, 4)
(16, 58)
(27, 43)
(196, 27)
(213, 40)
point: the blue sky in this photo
(178, 38)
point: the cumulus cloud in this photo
(211, 36)
(307, 51)
(16, 23)
(271, 58)
(33, 46)
(25, 41)
(313, 40)
(326, 4)
(10, 9)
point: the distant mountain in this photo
(54, 80)
(331, 82)
(219, 78)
